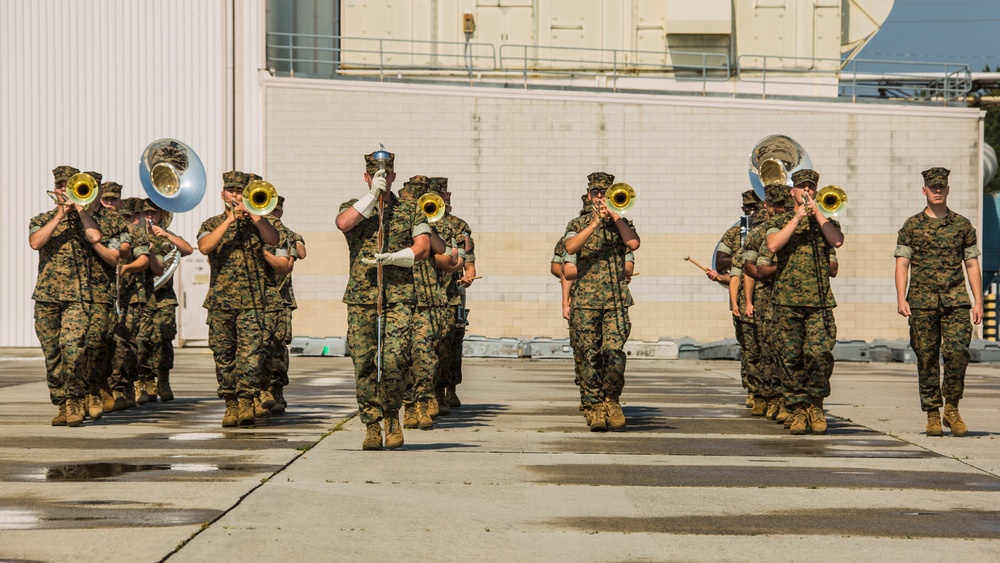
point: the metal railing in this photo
(328, 56)
(914, 81)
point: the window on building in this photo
(303, 37)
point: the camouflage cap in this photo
(600, 180)
(96, 175)
(112, 188)
(777, 194)
(131, 206)
(372, 165)
(936, 176)
(438, 185)
(251, 177)
(281, 202)
(415, 187)
(750, 198)
(234, 179)
(63, 173)
(805, 176)
(148, 205)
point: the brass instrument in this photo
(433, 206)
(172, 175)
(81, 189)
(773, 160)
(831, 200)
(170, 261)
(260, 197)
(619, 198)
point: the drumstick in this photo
(688, 258)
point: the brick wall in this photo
(518, 161)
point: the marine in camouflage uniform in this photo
(164, 323)
(803, 303)
(453, 228)
(732, 241)
(758, 268)
(64, 295)
(274, 366)
(234, 243)
(432, 320)
(745, 326)
(134, 325)
(405, 242)
(932, 246)
(599, 300)
(277, 364)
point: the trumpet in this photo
(81, 189)
(619, 198)
(831, 200)
(260, 197)
(433, 206)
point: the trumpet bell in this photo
(260, 197)
(81, 189)
(433, 207)
(831, 200)
(773, 160)
(172, 175)
(619, 198)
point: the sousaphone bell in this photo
(172, 175)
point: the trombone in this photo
(831, 200)
(619, 198)
(433, 206)
(81, 189)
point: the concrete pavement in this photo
(514, 474)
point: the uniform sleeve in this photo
(557, 252)
(346, 204)
(420, 224)
(904, 240)
(630, 257)
(971, 248)
(569, 258)
(36, 223)
(206, 227)
(833, 256)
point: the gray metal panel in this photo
(143, 70)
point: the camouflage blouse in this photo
(600, 266)
(237, 266)
(937, 248)
(165, 296)
(403, 223)
(137, 288)
(274, 282)
(728, 244)
(803, 277)
(448, 228)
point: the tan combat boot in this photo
(74, 412)
(231, 415)
(749, 402)
(954, 421)
(163, 389)
(266, 399)
(393, 432)
(244, 412)
(279, 400)
(410, 415)
(816, 419)
(799, 422)
(424, 420)
(258, 409)
(773, 406)
(759, 407)
(60, 419)
(120, 402)
(150, 386)
(95, 408)
(107, 399)
(616, 418)
(432, 407)
(373, 437)
(141, 397)
(783, 413)
(443, 407)
(453, 400)
(598, 417)
(934, 423)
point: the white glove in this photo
(402, 258)
(366, 205)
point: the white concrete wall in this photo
(518, 161)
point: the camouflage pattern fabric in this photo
(274, 360)
(378, 399)
(803, 278)
(558, 251)
(130, 346)
(937, 250)
(236, 338)
(403, 222)
(808, 335)
(114, 233)
(448, 228)
(67, 270)
(945, 331)
(101, 345)
(62, 329)
(728, 244)
(768, 370)
(166, 296)
(237, 266)
(600, 265)
(600, 336)
(137, 287)
(426, 337)
(160, 345)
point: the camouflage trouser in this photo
(144, 370)
(600, 339)
(161, 342)
(130, 346)
(769, 368)
(807, 336)
(450, 351)
(375, 398)
(101, 345)
(236, 338)
(62, 330)
(274, 363)
(746, 335)
(943, 331)
(427, 334)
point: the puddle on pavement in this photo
(112, 471)
(76, 517)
